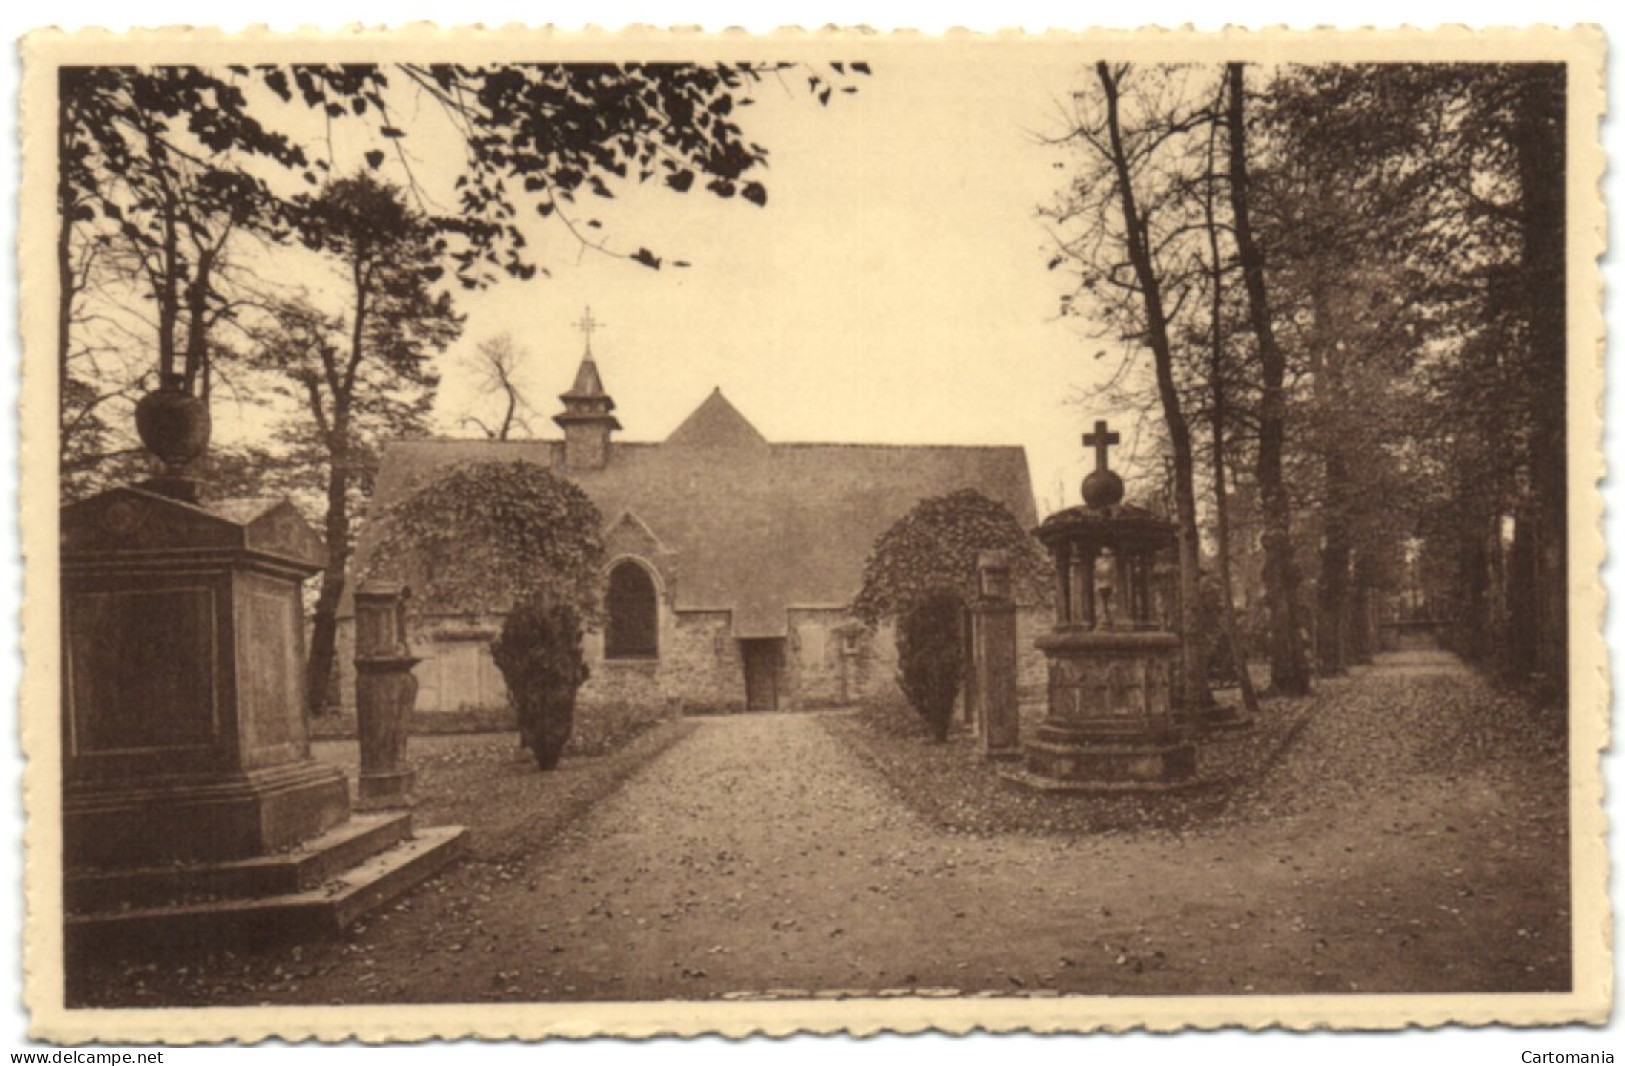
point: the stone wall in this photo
(837, 663)
(456, 674)
(833, 662)
(829, 662)
(344, 653)
(703, 669)
(817, 658)
(631, 680)
(697, 665)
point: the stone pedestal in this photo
(1110, 724)
(385, 691)
(193, 811)
(183, 727)
(993, 658)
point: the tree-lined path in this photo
(1411, 839)
(1420, 662)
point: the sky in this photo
(895, 288)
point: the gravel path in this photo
(757, 855)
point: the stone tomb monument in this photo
(1110, 724)
(192, 808)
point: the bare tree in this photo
(178, 163)
(496, 362)
(1130, 235)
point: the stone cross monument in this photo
(1110, 723)
(1101, 441)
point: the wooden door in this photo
(762, 659)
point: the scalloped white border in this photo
(1592, 999)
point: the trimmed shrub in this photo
(539, 654)
(931, 657)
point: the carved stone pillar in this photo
(385, 691)
(994, 657)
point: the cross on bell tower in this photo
(588, 417)
(1100, 440)
(588, 325)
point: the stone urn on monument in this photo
(1110, 724)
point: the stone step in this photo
(321, 911)
(307, 866)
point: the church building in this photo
(731, 560)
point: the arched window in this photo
(633, 628)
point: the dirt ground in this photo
(1424, 850)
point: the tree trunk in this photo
(1523, 625)
(1336, 551)
(1194, 692)
(1336, 544)
(1218, 415)
(166, 289)
(196, 359)
(507, 418)
(1289, 665)
(1227, 609)
(1540, 131)
(64, 325)
(324, 626)
(1362, 641)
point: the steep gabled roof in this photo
(754, 527)
(716, 423)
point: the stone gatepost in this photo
(385, 691)
(993, 655)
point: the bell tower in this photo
(588, 417)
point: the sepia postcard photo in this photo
(533, 533)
